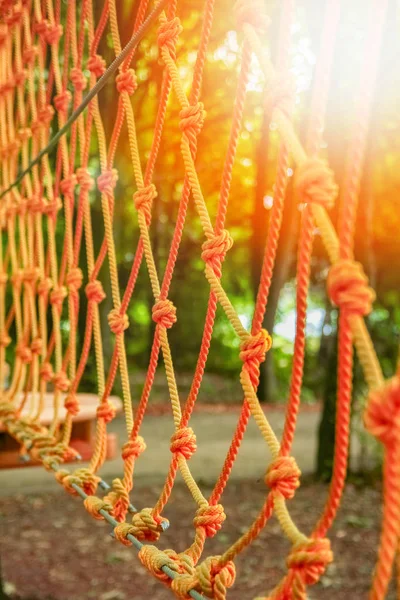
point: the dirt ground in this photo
(52, 549)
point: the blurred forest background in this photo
(378, 225)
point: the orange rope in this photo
(46, 220)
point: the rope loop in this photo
(215, 249)
(382, 413)
(183, 442)
(143, 199)
(348, 287)
(126, 81)
(283, 476)
(117, 322)
(94, 291)
(252, 354)
(210, 517)
(315, 183)
(164, 313)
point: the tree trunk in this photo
(326, 432)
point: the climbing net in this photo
(41, 282)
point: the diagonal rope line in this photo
(133, 42)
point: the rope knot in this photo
(143, 199)
(183, 442)
(382, 414)
(252, 12)
(253, 352)
(283, 476)
(154, 559)
(44, 286)
(126, 82)
(61, 101)
(348, 287)
(107, 181)
(210, 578)
(61, 381)
(215, 249)
(71, 404)
(53, 33)
(96, 65)
(74, 279)
(17, 278)
(164, 313)
(282, 95)
(57, 296)
(29, 54)
(106, 411)
(94, 505)
(308, 560)
(210, 517)
(37, 345)
(168, 34)
(5, 340)
(143, 526)
(51, 208)
(30, 276)
(192, 120)
(24, 134)
(84, 179)
(94, 291)
(78, 79)
(24, 353)
(46, 372)
(117, 322)
(20, 77)
(67, 185)
(82, 477)
(133, 448)
(315, 183)
(45, 116)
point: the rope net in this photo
(49, 60)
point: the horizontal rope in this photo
(135, 542)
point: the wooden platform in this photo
(83, 430)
